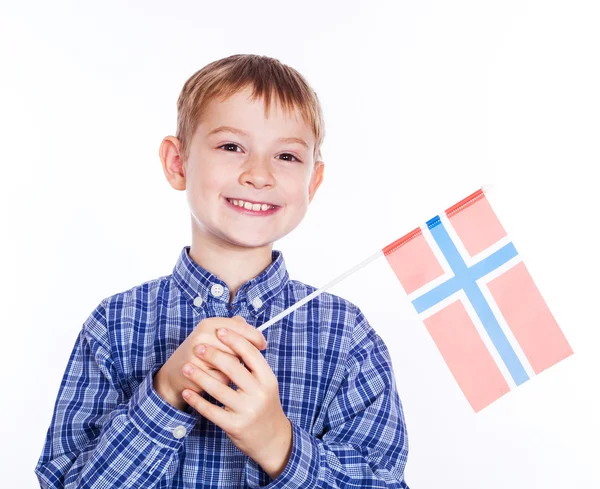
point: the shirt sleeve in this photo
(365, 443)
(97, 437)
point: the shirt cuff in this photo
(302, 469)
(155, 417)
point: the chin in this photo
(252, 238)
(250, 243)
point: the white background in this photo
(423, 102)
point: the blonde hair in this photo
(268, 77)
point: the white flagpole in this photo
(318, 291)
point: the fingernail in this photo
(201, 349)
(188, 370)
(222, 331)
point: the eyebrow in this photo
(244, 133)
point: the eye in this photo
(229, 144)
(288, 154)
(236, 146)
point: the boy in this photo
(311, 403)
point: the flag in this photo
(477, 300)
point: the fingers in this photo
(248, 331)
(235, 323)
(214, 413)
(210, 369)
(238, 373)
(251, 357)
(216, 374)
(216, 389)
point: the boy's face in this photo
(255, 167)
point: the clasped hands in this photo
(252, 416)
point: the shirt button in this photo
(257, 303)
(179, 432)
(198, 301)
(217, 290)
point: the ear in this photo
(315, 179)
(172, 162)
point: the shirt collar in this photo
(195, 281)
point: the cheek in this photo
(301, 202)
(296, 188)
(206, 185)
(297, 195)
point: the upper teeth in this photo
(250, 206)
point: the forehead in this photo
(242, 112)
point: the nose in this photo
(257, 172)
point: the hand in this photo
(170, 381)
(252, 417)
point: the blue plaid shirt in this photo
(110, 429)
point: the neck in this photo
(234, 265)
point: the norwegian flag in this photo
(478, 301)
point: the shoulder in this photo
(342, 325)
(138, 294)
(142, 302)
(126, 307)
(123, 324)
(298, 290)
(332, 309)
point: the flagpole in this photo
(319, 291)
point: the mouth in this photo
(252, 208)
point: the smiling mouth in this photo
(249, 205)
(254, 209)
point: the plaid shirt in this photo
(110, 429)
